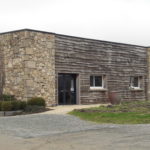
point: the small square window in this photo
(135, 82)
(96, 82)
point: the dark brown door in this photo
(67, 89)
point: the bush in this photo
(23, 105)
(7, 97)
(34, 109)
(18, 105)
(6, 106)
(36, 101)
(33, 105)
(12, 105)
(15, 105)
(0, 105)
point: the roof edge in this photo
(25, 29)
(33, 30)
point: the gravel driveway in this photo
(27, 126)
(65, 132)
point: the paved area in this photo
(63, 109)
(49, 131)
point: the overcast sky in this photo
(125, 21)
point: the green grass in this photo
(126, 113)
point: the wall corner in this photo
(148, 73)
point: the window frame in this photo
(140, 78)
(97, 87)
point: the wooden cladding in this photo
(91, 57)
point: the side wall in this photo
(2, 71)
(29, 65)
(91, 57)
(40, 66)
(148, 62)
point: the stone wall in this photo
(40, 66)
(29, 65)
(12, 45)
(2, 73)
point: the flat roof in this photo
(109, 42)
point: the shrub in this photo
(0, 105)
(6, 106)
(12, 105)
(23, 105)
(34, 109)
(36, 101)
(7, 97)
(15, 105)
(18, 105)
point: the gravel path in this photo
(65, 132)
(49, 124)
(42, 124)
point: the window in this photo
(135, 82)
(96, 82)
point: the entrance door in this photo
(67, 89)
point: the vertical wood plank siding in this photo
(92, 57)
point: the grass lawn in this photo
(136, 112)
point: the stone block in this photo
(29, 82)
(30, 64)
(17, 61)
(29, 51)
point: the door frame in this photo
(77, 87)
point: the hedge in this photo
(12, 105)
(7, 97)
(6, 106)
(36, 101)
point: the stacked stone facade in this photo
(28, 65)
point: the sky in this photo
(124, 21)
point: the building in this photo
(71, 70)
